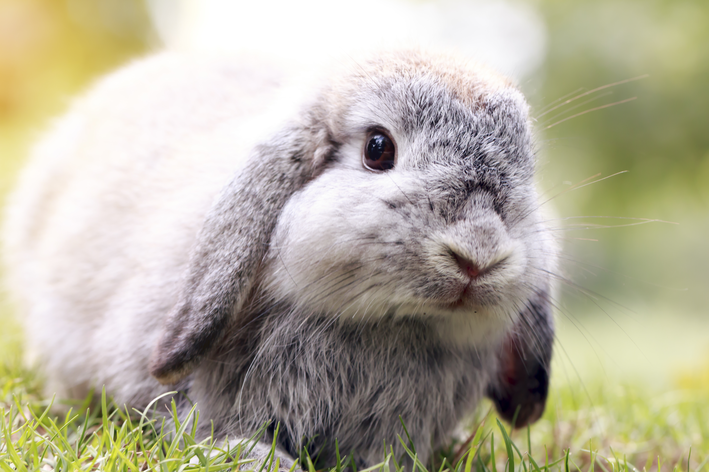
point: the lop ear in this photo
(520, 389)
(231, 245)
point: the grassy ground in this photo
(589, 425)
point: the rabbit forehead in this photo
(432, 124)
(467, 80)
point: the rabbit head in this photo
(446, 230)
(404, 189)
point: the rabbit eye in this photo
(379, 151)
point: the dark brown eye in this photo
(379, 151)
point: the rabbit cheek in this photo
(315, 259)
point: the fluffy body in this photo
(185, 220)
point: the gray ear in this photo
(231, 245)
(520, 389)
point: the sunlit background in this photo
(635, 302)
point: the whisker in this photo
(580, 379)
(646, 220)
(579, 263)
(536, 205)
(588, 292)
(355, 281)
(589, 226)
(335, 267)
(337, 278)
(549, 105)
(575, 107)
(589, 111)
(644, 76)
(365, 290)
(402, 192)
(280, 257)
(576, 186)
(599, 180)
(591, 296)
(586, 334)
(324, 295)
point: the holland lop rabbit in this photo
(331, 261)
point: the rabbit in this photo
(336, 257)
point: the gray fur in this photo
(184, 220)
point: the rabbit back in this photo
(100, 227)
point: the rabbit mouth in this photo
(464, 300)
(471, 297)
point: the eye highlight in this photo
(379, 151)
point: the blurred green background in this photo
(637, 297)
(646, 313)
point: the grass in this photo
(596, 427)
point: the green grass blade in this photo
(11, 451)
(508, 446)
(493, 462)
(408, 437)
(702, 464)
(104, 409)
(471, 455)
(534, 466)
(412, 454)
(179, 432)
(689, 456)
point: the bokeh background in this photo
(634, 302)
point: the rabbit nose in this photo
(469, 268)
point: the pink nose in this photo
(468, 267)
